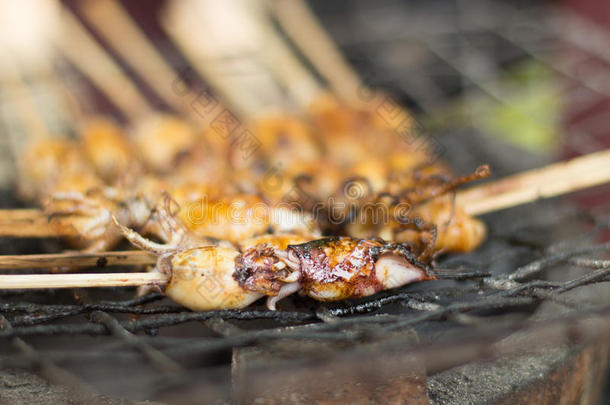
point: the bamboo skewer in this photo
(31, 222)
(559, 178)
(125, 258)
(34, 229)
(298, 21)
(550, 181)
(226, 59)
(282, 61)
(114, 23)
(266, 74)
(23, 214)
(81, 50)
(43, 281)
(133, 46)
(301, 25)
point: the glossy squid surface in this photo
(222, 276)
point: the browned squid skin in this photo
(297, 162)
(339, 268)
(328, 269)
(242, 216)
(106, 147)
(200, 272)
(274, 266)
(160, 139)
(47, 161)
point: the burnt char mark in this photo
(375, 252)
(213, 240)
(254, 270)
(339, 268)
(101, 262)
(314, 261)
(241, 273)
(306, 248)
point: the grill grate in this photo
(474, 306)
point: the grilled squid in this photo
(160, 139)
(214, 277)
(107, 148)
(328, 269)
(243, 216)
(422, 211)
(45, 162)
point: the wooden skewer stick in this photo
(224, 57)
(281, 60)
(22, 214)
(81, 49)
(114, 23)
(125, 258)
(35, 228)
(43, 281)
(559, 178)
(31, 223)
(302, 26)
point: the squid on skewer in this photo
(422, 211)
(231, 220)
(161, 139)
(330, 170)
(81, 184)
(362, 162)
(214, 277)
(107, 148)
(243, 216)
(43, 163)
(76, 197)
(55, 173)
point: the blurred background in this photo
(532, 74)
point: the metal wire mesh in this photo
(472, 307)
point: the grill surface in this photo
(83, 338)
